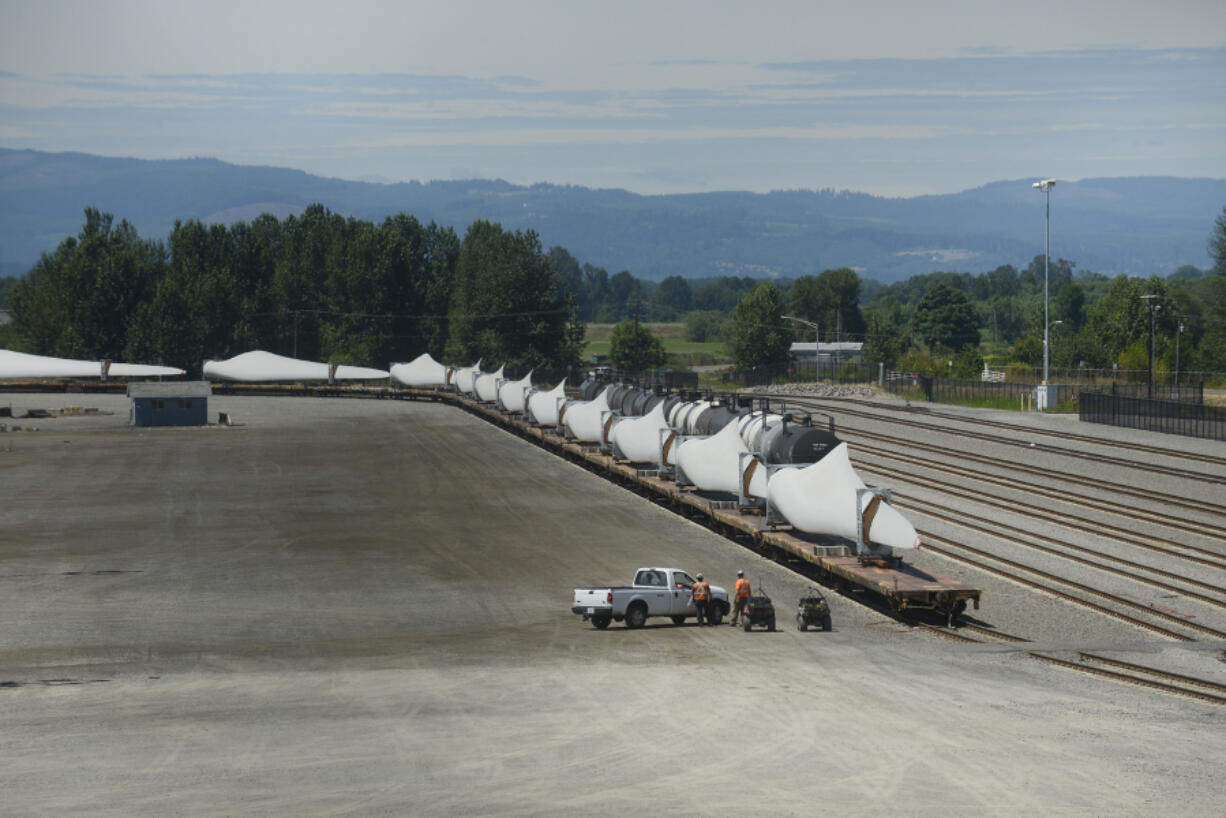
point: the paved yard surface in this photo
(362, 607)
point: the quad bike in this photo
(813, 610)
(759, 610)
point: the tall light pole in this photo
(1153, 310)
(817, 331)
(1046, 185)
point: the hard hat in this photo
(700, 576)
(740, 573)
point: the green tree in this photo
(1028, 350)
(671, 299)
(968, 363)
(830, 300)
(704, 325)
(625, 294)
(757, 332)
(1212, 346)
(944, 317)
(506, 306)
(1069, 306)
(634, 348)
(885, 340)
(80, 301)
(1217, 244)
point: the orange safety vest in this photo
(742, 588)
(701, 590)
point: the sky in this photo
(894, 97)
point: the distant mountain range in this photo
(1136, 226)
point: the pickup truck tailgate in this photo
(589, 600)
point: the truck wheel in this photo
(678, 620)
(601, 622)
(636, 615)
(801, 624)
(826, 623)
(716, 614)
(770, 623)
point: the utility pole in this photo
(1046, 185)
(1178, 335)
(817, 335)
(1153, 310)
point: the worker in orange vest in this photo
(701, 590)
(740, 596)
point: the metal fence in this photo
(802, 371)
(1002, 394)
(1171, 417)
(1182, 393)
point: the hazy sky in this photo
(894, 97)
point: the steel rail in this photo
(1023, 539)
(1019, 428)
(1098, 458)
(1210, 558)
(1211, 529)
(1182, 637)
(1130, 679)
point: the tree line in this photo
(325, 287)
(317, 286)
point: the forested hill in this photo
(1136, 226)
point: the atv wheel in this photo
(770, 623)
(801, 624)
(748, 624)
(826, 623)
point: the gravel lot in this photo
(362, 607)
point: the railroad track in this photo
(1149, 496)
(1022, 429)
(1150, 677)
(1208, 593)
(1146, 515)
(1048, 583)
(1024, 438)
(1189, 553)
(1101, 666)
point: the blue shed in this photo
(180, 403)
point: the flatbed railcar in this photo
(901, 586)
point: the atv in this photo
(813, 610)
(759, 610)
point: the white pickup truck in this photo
(655, 592)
